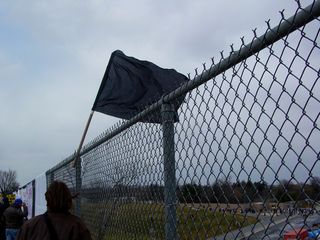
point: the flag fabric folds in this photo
(129, 85)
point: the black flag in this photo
(129, 85)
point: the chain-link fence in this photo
(242, 162)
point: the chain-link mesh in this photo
(242, 162)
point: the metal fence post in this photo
(51, 178)
(167, 112)
(33, 197)
(78, 187)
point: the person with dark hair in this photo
(57, 223)
(13, 217)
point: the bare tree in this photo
(8, 181)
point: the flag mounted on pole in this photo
(129, 85)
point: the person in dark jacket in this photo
(13, 217)
(3, 206)
(57, 223)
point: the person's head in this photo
(5, 201)
(17, 203)
(58, 196)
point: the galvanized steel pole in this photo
(51, 177)
(78, 186)
(167, 112)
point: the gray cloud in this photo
(55, 53)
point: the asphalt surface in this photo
(277, 231)
(272, 228)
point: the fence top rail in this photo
(272, 35)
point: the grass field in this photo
(147, 221)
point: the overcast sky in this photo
(53, 55)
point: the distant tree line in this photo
(221, 191)
(8, 182)
(224, 191)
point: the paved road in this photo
(271, 230)
(277, 231)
